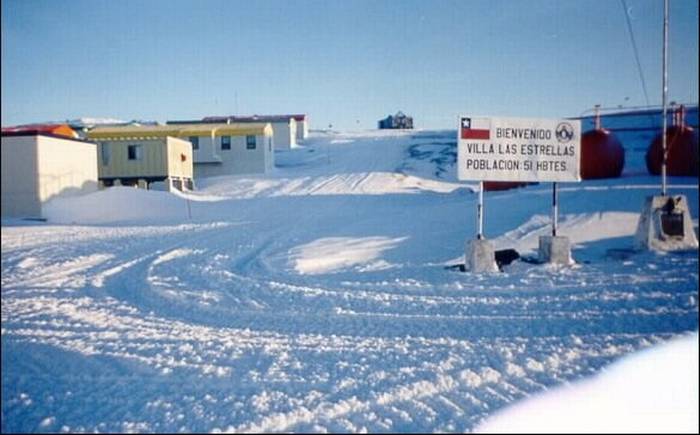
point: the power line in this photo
(636, 52)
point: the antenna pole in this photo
(664, 96)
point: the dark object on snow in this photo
(503, 258)
(672, 218)
(506, 256)
(491, 186)
(681, 149)
(397, 121)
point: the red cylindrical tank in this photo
(490, 186)
(602, 155)
(682, 152)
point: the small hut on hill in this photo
(400, 120)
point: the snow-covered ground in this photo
(325, 297)
(653, 391)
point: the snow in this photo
(86, 121)
(118, 204)
(323, 297)
(338, 253)
(652, 391)
(90, 122)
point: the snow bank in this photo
(653, 391)
(117, 204)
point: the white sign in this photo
(518, 149)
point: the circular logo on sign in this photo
(564, 132)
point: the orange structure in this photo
(602, 154)
(54, 129)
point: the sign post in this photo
(480, 212)
(555, 210)
(520, 150)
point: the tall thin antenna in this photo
(636, 52)
(664, 95)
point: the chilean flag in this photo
(475, 128)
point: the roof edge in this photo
(38, 133)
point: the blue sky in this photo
(345, 63)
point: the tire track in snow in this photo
(327, 412)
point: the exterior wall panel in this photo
(37, 168)
(285, 134)
(302, 130)
(176, 148)
(20, 182)
(65, 167)
(208, 151)
(153, 162)
(239, 159)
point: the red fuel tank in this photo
(682, 150)
(490, 186)
(602, 155)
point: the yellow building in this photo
(216, 149)
(142, 155)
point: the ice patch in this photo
(47, 422)
(332, 254)
(175, 253)
(27, 263)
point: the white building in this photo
(37, 167)
(284, 127)
(302, 127)
(230, 149)
(285, 133)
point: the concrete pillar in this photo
(480, 256)
(117, 182)
(665, 224)
(142, 184)
(555, 250)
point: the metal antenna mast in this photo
(664, 96)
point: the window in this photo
(250, 142)
(225, 142)
(104, 152)
(135, 152)
(195, 142)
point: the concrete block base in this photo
(665, 225)
(555, 250)
(480, 256)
